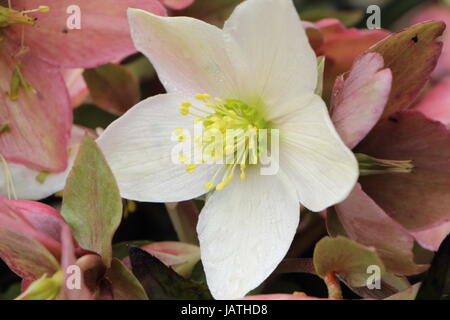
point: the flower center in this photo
(232, 134)
(9, 16)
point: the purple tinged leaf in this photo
(92, 205)
(350, 260)
(412, 55)
(124, 284)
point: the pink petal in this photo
(366, 223)
(418, 200)
(23, 213)
(42, 217)
(39, 123)
(103, 37)
(177, 4)
(436, 103)
(78, 90)
(432, 238)
(341, 47)
(359, 98)
(21, 250)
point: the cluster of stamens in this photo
(9, 16)
(220, 117)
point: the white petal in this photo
(138, 147)
(245, 231)
(323, 169)
(188, 54)
(25, 180)
(273, 59)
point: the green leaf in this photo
(92, 205)
(113, 87)
(124, 284)
(436, 285)
(213, 12)
(411, 55)
(161, 282)
(347, 258)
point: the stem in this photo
(333, 285)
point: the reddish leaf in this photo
(412, 56)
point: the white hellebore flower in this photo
(264, 72)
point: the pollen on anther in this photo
(209, 185)
(191, 167)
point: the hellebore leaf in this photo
(161, 282)
(92, 205)
(124, 284)
(412, 55)
(347, 258)
(359, 98)
(418, 200)
(366, 223)
(37, 111)
(389, 285)
(113, 87)
(98, 31)
(436, 285)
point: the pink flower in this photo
(340, 46)
(435, 104)
(405, 174)
(35, 110)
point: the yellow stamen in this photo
(191, 167)
(209, 185)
